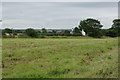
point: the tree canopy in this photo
(31, 32)
(77, 31)
(116, 27)
(7, 30)
(91, 27)
(44, 30)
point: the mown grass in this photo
(60, 58)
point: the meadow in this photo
(60, 58)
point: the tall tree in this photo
(91, 27)
(116, 27)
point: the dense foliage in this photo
(31, 32)
(91, 27)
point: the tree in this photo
(7, 30)
(77, 31)
(111, 33)
(116, 27)
(91, 27)
(31, 32)
(104, 32)
(67, 33)
(53, 31)
(44, 30)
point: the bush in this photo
(31, 32)
(23, 36)
(42, 36)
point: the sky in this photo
(56, 15)
(60, 0)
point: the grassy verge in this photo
(60, 58)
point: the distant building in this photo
(7, 34)
(71, 31)
(60, 32)
(19, 33)
(83, 33)
(49, 30)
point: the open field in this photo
(60, 58)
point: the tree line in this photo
(91, 27)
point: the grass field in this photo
(60, 58)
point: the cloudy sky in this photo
(56, 15)
(60, 0)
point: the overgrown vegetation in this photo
(60, 58)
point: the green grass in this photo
(60, 58)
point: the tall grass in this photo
(60, 58)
